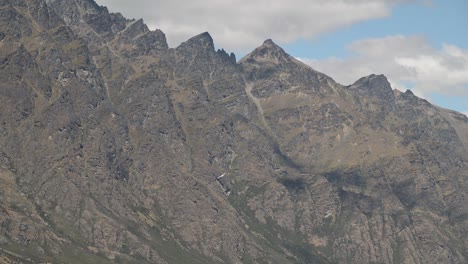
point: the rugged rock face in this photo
(111, 144)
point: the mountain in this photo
(112, 146)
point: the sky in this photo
(421, 45)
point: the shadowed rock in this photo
(111, 142)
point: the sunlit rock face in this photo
(112, 146)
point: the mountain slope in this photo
(112, 142)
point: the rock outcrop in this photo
(111, 145)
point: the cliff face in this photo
(111, 144)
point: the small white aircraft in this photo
(219, 177)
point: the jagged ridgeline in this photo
(112, 147)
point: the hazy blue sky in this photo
(418, 44)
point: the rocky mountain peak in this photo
(374, 85)
(72, 11)
(379, 79)
(270, 43)
(116, 149)
(268, 52)
(200, 41)
(96, 24)
(409, 92)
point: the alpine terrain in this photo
(115, 148)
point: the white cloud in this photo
(405, 60)
(241, 25)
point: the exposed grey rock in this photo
(374, 85)
(111, 144)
